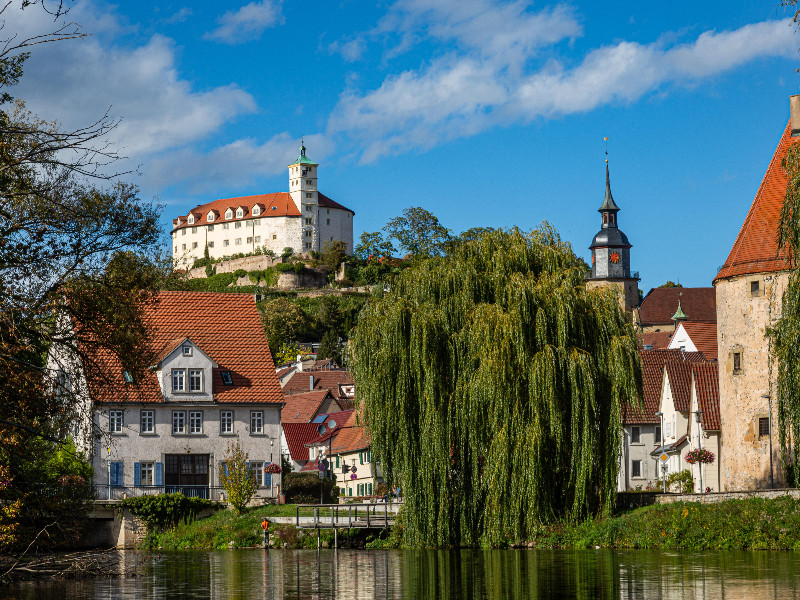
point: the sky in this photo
(485, 112)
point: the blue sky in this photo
(485, 112)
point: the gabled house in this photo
(695, 337)
(352, 448)
(303, 408)
(641, 425)
(339, 382)
(294, 440)
(212, 382)
(657, 308)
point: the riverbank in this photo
(751, 524)
(226, 529)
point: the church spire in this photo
(608, 201)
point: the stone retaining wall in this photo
(248, 263)
(714, 497)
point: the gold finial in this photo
(605, 139)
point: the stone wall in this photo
(248, 263)
(742, 318)
(306, 279)
(715, 497)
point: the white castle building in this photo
(301, 219)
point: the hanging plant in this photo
(272, 468)
(493, 382)
(699, 456)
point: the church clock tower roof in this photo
(608, 201)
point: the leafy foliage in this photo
(237, 477)
(284, 321)
(419, 232)
(304, 488)
(164, 511)
(492, 382)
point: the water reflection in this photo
(440, 575)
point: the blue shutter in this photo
(137, 474)
(159, 473)
(268, 479)
(116, 474)
(226, 468)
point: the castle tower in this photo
(611, 255)
(303, 189)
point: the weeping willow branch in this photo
(492, 381)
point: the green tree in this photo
(329, 347)
(492, 382)
(373, 245)
(419, 232)
(333, 255)
(284, 322)
(236, 476)
(671, 284)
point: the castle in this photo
(302, 219)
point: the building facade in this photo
(211, 384)
(302, 219)
(749, 289)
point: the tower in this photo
(303, 189)
(611, 255)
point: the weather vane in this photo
(605, 139)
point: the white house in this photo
(212, 383)
(302, 219)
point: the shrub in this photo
(287, 252)
(164, 511)
(298, 267)
(240, 273)
(284, 267)
(237, 477)
(304, 488)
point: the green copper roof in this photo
(679, 315)
(303, 159)
(608, 201)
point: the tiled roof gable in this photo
(658, 306)
(706, 381)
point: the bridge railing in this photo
(112, 492)
(341, 516)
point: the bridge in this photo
(345, 516)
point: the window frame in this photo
(116, 420)
(179, 376)
(196, 376)
(634, 464)
(147, 416)
(179, 417)
(226, 422)
(195, 422)
(145, 469)
(256, 417)
(636, 434)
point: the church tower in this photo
(611, 255)
(303, 189)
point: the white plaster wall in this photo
(336, 224)
(641, 451)
(681, 339)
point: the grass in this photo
(751, 524)
(226, 529)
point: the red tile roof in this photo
(297, 436)
(300, 382)
(756, 247)
(227, 327)
(658, 306)
(659, 340)
(353, 437)
(277, 204)
(706, 381)
(704, 337)
(340, 418)
(653, 362)
(302, 408)
(680, 381)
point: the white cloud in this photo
(351, 50)
(489, 79)
(247, 23)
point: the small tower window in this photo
(605, 218)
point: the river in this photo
(442, 575)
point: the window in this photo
(196, 421)
(308, 233)
(194, 245)
(256, 422)
(183, 246)
(349, 491)
(147, 422)
(226, 226)
(227, 378)
(196, 380)
(667, 430)
(127, 376)
(115, 474)
(337, 462)
(238, 225)
(147, 470)
(239, 213)
(238, 241)
(274, 236)
(176, 248)
(309, 195)
(190, 220)
(178, 421)
(737, 362)
(258, 239)
(258, 471)
(636, 468)
(755, 288)
(249, 240)
(328, 222)
(115, 421)
(226, 421)
(658, 434)
(309, 221)
(211, 228)
(763, 426)
(210, 217)
(228, 214)
(183, 232)
(256, 211)
(178, 380)
(636, 435)
(307, 245)
(309, 182)
(210, 244)
(309, 209)
(194, 229)
(226, 243)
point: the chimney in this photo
(794, 111)
(310, 383)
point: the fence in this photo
(106, 492)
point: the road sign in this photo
(353, 468)
(321, 476)
(353, 476)
(663, 457)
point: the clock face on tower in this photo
(614, 257)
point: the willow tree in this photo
(492, 382)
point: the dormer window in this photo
(227, 378)
(229, 214)
(239, 213)
(256, 210)
(191, 220)
(210, 216)
(187, 350)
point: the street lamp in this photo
(771, 479)
(699, 415)
(663, 465)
